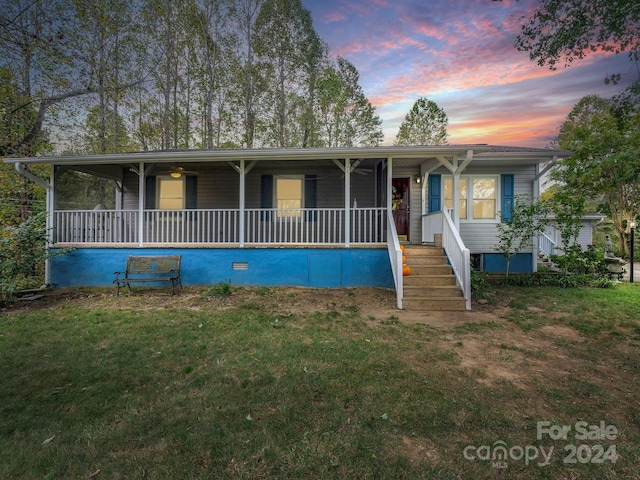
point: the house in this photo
(318, 217)
(551, 241)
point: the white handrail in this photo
(458, 254)
(395, 257)
(546, 245)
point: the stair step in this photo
(425, 304)
(432, 291)
(425, 260)
(423, 251)
(419, 279)
(431, 284)
(430, 270)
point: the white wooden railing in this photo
(546, 245)
(459, 257)
(322, 226)
(191, 226)
(395, 257)
(95, 226)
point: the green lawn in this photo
(144, 386)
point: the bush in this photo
(577, 261)
(23, 254)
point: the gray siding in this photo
(481, 237)
(218, 186)
(585, 238)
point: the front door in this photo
(400, 206)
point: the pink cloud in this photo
(334, 17)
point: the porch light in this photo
(176, 174)
(419, 179)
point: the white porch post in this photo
(51, 201)
(389, 182)
(141, 192)
(241, 225)
(347, 197)
(455, 185)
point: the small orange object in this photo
(406, 270)
(404, 259)
(402, 249)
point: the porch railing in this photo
(221, 226)
(546, 245)
(458, 255)
(395, 257)
(95, 226)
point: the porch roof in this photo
(409, 154)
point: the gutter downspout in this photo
(34, 178)
(48, 225)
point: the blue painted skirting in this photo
(496, 263)
(304, 267)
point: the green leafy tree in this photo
(290, 49)
(106, 132)
(517, 230)
(605, 164)
(425, 124)
(568, 30)
(346, 118)
(22, 255)
(18, 196)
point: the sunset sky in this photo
(460, 54)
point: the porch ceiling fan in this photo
(178, 172)
(362, 171)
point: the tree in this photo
(518, 228)
(567, 30)
(105, 132)
(43, 45)
(346, 118)
(605, 164)
(425, 124)
(290, 49)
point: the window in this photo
(171, 194)
(289, 196)
(484, 198)
(462, 192)
(478, 196)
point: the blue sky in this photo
(460, 54)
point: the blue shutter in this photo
(191, 196)
(150, 192)
(266, 196)
(508, 190)
(435, 192)
(311, 195)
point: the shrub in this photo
(23, 252)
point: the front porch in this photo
(308, 217)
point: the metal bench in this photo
(150, 269)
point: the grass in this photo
(175, 391)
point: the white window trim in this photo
(469, 178)
(287, 177)
(169, 177)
